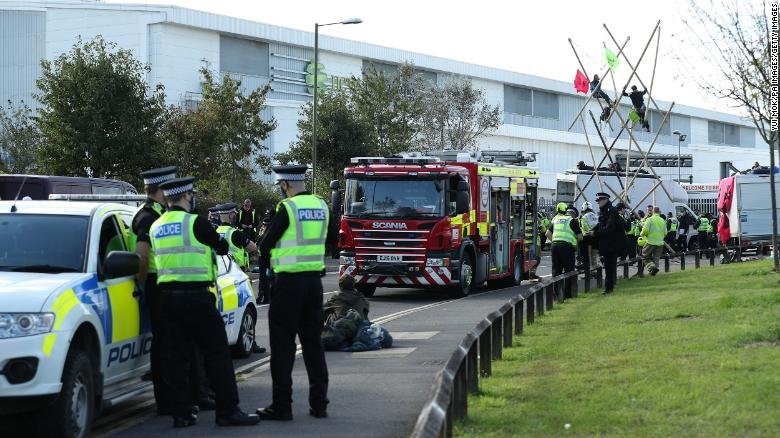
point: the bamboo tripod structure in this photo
(625, 123)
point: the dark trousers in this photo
(192, 317)
(563, 255)
(296, 309)
(669, 240)
(600, 94)
(704, 240)
(610, 269)
(163, 390)
(630, 250)
(681, 244)
(264, 280)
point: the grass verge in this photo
(694, 353)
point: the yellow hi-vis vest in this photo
(562, 231)
(178, 254)
(654, 230)
(302, 245)
(131, 237)
(704, 224)
(239, 254)
(674, 225)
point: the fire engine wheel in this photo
(366, 289)
(517, 270)
(463, 288)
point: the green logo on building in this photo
(321, 77)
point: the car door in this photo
(227, 296)
(127, 346)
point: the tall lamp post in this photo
(680, 138)
(317, 27)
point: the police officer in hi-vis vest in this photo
(147, 278)
(565, 234)
(184, 246)
(296, 240)
(240, 243)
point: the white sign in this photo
(484, 192)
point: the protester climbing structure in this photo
(635, 88)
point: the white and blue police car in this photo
(74, 329)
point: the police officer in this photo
(587, 247)
(184, 246)
(296, 241)
(654, 231)
(240, 244)
(611, 235)
(703, 229)
(147, 278)
(564, 235)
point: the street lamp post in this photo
(317, 27)
(680, 138)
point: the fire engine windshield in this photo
(394, 198)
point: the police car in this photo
(74, 329)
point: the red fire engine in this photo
(451, 219)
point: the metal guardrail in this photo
(472, 359)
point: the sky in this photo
(529, 37)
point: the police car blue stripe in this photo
(89, 294)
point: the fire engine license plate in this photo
(389, 258)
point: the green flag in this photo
(612, 59)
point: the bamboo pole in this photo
(592, 157)
(657, 26)
(633, 69)
(590, 96)
(604, 158)
(604, 143)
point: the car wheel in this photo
(246, 335)
(366, 289)
(463, 288)
(71, 415)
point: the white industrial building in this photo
(177, 41)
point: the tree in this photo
(391, 107)
(98, 116)
(456, 115)
(340, 136)
(20, 138)
(240, 126)
(735, 37)
(222, 136)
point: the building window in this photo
(723, 133)
(545, 104)
(655, 120)
(243, 56)
(517, 100)
(527, 102)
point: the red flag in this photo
(581, 82)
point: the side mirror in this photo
(462, 198)
(120, 264)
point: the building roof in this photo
(269, 32)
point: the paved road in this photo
(372, 393)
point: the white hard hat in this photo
(586, 206)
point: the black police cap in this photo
(290, 172)
(155, 177)
(178, 186)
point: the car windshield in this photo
(394, 198)
(42, 243)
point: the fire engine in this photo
(449, 219)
